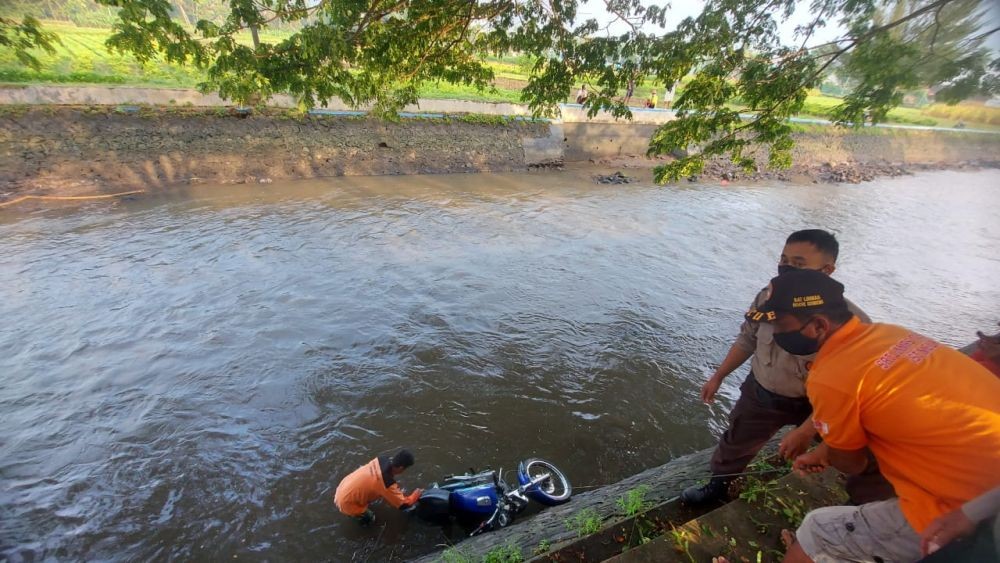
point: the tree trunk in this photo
(256, 38)
(183, 14)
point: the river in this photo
(188, 376)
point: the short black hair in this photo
(403, 458)
(824, 241)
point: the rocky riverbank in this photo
(833, 155)
(67, 150)
(833, 172)
(74, 150)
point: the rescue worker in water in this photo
(372, 481)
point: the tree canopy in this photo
(24, 36)
(742, 78)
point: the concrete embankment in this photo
(75, 140)
(53, 149)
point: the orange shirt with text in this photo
(930, 414)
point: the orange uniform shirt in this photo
(368, 483)
(930, 414)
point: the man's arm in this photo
(851, 462)
(862, 316)
(797, 440)
(960, 522)
(734, 359)
(739, 353)
(396, 499)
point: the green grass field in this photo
(83, 59)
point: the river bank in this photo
(825, 154)
(75, 150)
(66, 150)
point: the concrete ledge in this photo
(569, 113)
(742, 530)
(110, 95)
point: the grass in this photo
(455, 555)
(542, 548)
(762, 493)
(585, 522)
(82, 58)
(633, 504)
(501, 554)
(821, 106)
(682, 542)
(446, 91)
(634, 501)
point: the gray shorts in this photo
(873, 532)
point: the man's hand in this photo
(990, 345)
(795, 443)
(944, 529)
(812, 462)
(710, 388)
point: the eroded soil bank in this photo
(77, 150)
(60, 150)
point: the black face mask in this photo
(785, 268)
(796, 343)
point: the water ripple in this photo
(188, 377)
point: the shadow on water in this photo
(188, 376)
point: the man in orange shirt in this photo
(372, 481)
(929, 414)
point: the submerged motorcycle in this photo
(486, 496)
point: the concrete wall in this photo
(54, 139)
(69, 150)
(586, 141)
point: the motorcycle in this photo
(486, 496)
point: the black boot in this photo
(715, 489)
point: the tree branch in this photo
(607, 5)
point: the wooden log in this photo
(663, 484)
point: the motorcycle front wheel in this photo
(550, 492)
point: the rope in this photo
(68, 197)
(375, 545)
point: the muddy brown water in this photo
(187, 376)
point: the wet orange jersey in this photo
(369, 483)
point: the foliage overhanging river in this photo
(187, 376)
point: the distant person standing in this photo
(668, 97)
(582, 95)
(629, 90)
(651, 101)
(372, 481)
